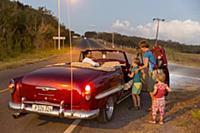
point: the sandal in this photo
(152, 122)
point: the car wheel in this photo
(106, 113)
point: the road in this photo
(181, 77)
(91, 44)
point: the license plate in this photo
(42, 108)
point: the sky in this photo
(130, 17)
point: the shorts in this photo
(158, 105)
(150, 81)
(136, 88)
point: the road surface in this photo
(89, 44)
(181, 77)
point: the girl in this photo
(137, 84)
(160, 89)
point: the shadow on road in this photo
(123, 115)
(48, 119)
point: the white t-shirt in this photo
(90, 61)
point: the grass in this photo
(31, 57)
(175, 56)
(183, 58)
(196, 114)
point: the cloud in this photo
(187, 31)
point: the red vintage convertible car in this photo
(73, 90)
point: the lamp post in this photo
(158, 24)
(58, 24)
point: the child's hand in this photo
(136, 71)
(131, 74)
(126, 87)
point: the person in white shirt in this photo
(88, 59)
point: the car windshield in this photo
(103, 56)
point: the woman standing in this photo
(149, 65)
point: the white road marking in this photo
(72, 126)
(4, 90)
(184, 76)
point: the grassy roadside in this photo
(183, 58)
(177, 57)
(31, 57)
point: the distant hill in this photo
(132, 41)
(24, 28)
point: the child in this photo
(137, 84)
(160, 89)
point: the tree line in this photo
(132, 41)
(24, 29)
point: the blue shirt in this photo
(151, 58)
(137, 76)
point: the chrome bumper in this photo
(73, 114)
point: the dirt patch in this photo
(182, 114)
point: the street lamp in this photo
(158, 23)
(58, 24)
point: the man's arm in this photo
(146, 60)
(94, 63)
(164, 56)
(90, 61)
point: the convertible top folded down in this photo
(107, 66)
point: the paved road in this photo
(181, 76)
(89, 44)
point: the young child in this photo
(160, 89)
(137, 84)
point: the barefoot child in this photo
(160, 89)
(137, 84)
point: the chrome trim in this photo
(123, 98)
(59, 112)
(109, 92)
(44, 88)
(49, 95)
(42, 103)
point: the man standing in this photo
(161, 60)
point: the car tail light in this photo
(11, 86)
(87, 92)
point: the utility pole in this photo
(113, 40)
(158, 24)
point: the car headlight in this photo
(11, 86)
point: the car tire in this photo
(107, 112)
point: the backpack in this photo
(158, 54)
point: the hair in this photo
(87, 53)
(136, 61)
(161, 77)
(143, 44)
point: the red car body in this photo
(70, 91)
